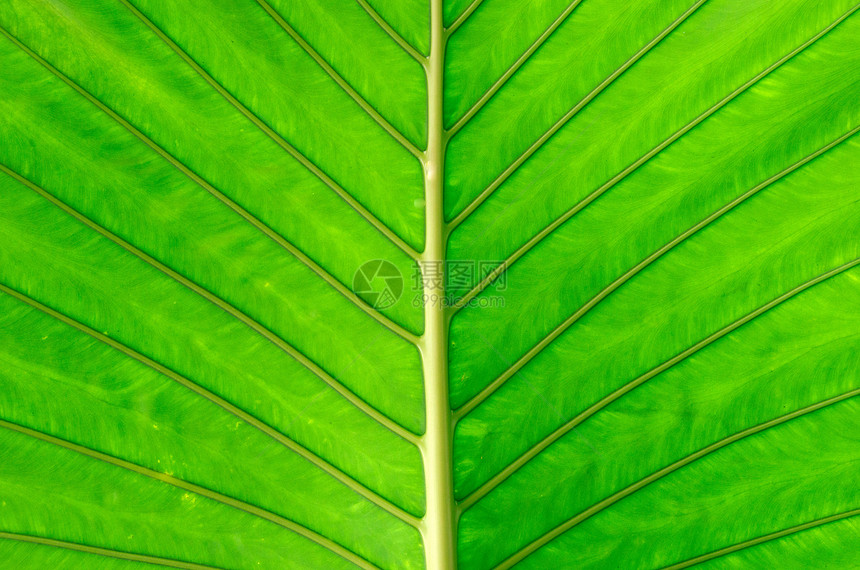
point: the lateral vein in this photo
(582, 204)
(461, 19)
(227, 406)
(765, 538)
(342, 83)
(377, 224)
(491, 388)
(538, 448)
(247, 216)
(535, 146)
(230, 309)
(500, 82)
(66, 545)
(631, 489)
(200, 490)
(392, 33)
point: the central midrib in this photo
(438, 527)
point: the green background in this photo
(187, 188)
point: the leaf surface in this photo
(226, 226)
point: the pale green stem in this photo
(438, 527)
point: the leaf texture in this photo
(654, 361)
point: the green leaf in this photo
(425, 284)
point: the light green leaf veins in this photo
(654, 361)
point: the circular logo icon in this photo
(379, 283)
